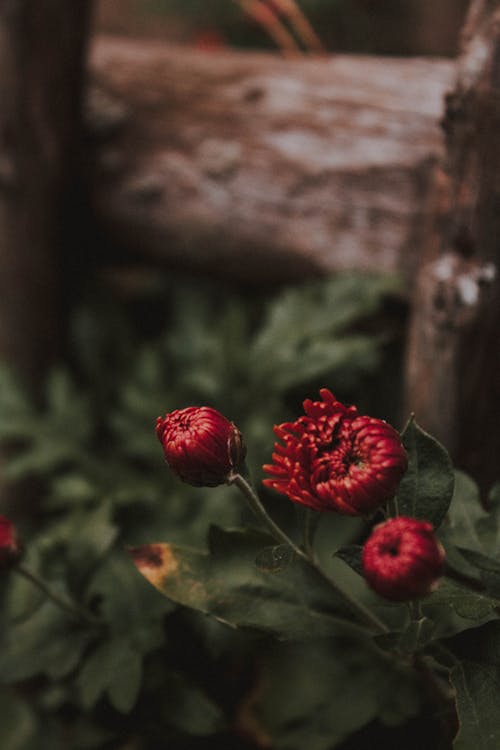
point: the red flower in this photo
(10, 545)
(334, 459)
(402, 559)
(201, 446)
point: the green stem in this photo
(72, 608)
(415, 609)
(255, 504)
(309, 530)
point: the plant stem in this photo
(72, 608)
(255, 504)
(309, 530)
(415, 609)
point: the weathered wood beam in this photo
(263, 169)
(41, 72)
(453, 378)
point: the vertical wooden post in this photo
(453, 368)
(42, 46)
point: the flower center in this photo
(391, 549)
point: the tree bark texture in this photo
(263, 169)
(453, 378)
(41, 70)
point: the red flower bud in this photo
(201, 446)
(10, 545)
(335, 459)
(403, 559)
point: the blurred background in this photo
(388, 27)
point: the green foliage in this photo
(316, 668)
(471, 535)
(18, 724)
(43, 643)
(218, 349)
(91, 446)
(295, 603)
(476, 678)
(314, 699)
(426, 489)
(114, 667)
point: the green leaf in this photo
(489, 570)
(471, 534)
(476, 679)
(494, 496)
(189, 709)
(294, 604)
(306, 331)
(132, 610)
(352, 556)
(464, 514)
(70, 490)
(316, 694)
(18, 724)
(275, 559)
(426, 489)
(477, 687)
(115, 668)
(47, 643)
(472, 607)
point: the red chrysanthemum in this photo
(201, 446)
(335, 459)
(10, 546)
(402, 559)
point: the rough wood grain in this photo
(260, 168)
(41, 68)
(454, 344)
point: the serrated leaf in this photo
(130, 609)
(296, 603)
(476, 679)
(471, 534)
(114, 668)
(82, 539)
(489, 570)
(46, 643)
(305, 333)
(464, 513)
(469, 605)
(477, 689)
(426, 489)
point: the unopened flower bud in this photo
(201, 446)
(10, 545)
(403, 559)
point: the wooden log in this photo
(453, 378)
(263, 169)
(41, 71)
(41, 80)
